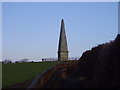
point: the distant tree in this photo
(32, 61)
(6, 61)
(17, 61)
(24, 60)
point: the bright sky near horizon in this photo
(31, 30)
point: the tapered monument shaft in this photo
(62, 47)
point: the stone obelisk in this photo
(62, 47)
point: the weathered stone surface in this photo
(62, 47)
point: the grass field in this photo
(20, 72)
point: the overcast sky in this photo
(31, 30)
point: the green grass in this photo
(20, 72)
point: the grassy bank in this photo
(20, 72)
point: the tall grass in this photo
(20, 72)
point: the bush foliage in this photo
(101, 64)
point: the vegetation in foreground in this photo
(19, 72)
(101, 65)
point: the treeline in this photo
(101, 65)
(7, 61)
